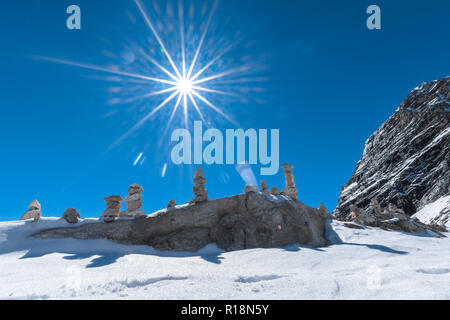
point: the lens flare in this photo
(183, 82)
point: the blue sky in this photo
(314, 71)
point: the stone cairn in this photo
(171, 204)
(201, 194)
(290, 190)
(134, 201)
(376, 207)
(113, 206)
(274, 191)
(322, 209)
(264, 186)
(250, 188)
(356, 212)
(71, 215)
(33, 212)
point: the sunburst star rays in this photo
(185, 82)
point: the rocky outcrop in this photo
(33, 212)
(406, 161)
(71, 215)
(392, 218)
(243, 221)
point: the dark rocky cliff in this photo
(407, 160)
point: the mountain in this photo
(406, 161)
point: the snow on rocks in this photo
(437, 212)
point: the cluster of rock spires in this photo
(71, 215)
(406, 161)
(256, 218)
(134, 199)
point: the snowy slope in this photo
(436, 212)
(361, 264)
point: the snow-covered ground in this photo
(360, 264)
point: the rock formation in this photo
(322, 209)
(113, 206)
(134, 201)
(71, 215)
(264, 186)
(171, 204)
(376, 206)
(251, 220)
(274, 191)
(392, 218)
(405, 162)
(250, 188)
(290, 190)
(201, 194)
(33, 212)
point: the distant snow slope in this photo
(360, 264)
(436, 212)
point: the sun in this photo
(184, 85)
(184, 82)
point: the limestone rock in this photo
(274, 191)
(171, 204)
(250, 188)
(322, 209)
(201, 194)
(242, 221)
(135, 188)
(376, 206)
(33, 212)
(113, 206)
(71, 215)
(264, 187)
(134, 201)
(391, 218)
(34, 205)
(290, 190)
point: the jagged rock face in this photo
(406, 161)
(243, 221)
